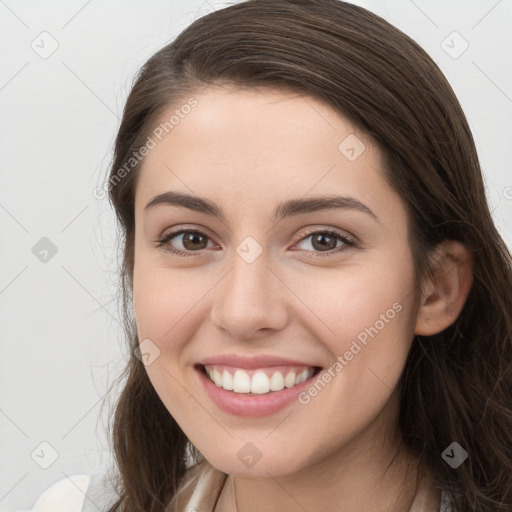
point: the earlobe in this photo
(444, 297)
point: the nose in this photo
(251, 300)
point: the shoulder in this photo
(76, 493)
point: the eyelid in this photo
(174, 231)
(322, 229)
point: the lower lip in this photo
(242, 404)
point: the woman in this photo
(321, 302)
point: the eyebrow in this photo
(289, 208)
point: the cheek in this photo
(346, 301)
(370, 318)
(165, 304)
(366, 316)
(166, 300)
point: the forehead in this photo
(265, 143)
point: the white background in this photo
(62, 342)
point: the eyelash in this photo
(161, 243)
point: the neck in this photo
(365, 484)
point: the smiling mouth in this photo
(258, 381)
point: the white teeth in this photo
(260, 383)
(227, 380)
(217, 378)
(277, 382)
(289, 380)
(301, 377)
(241, 382)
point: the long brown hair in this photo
(457, 384)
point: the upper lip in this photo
(261, 361)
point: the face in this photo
(323, 285)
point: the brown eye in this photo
(192, 241)
(326, 241)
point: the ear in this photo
(443, 298)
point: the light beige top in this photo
(200, 492)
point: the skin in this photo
(247, 151)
